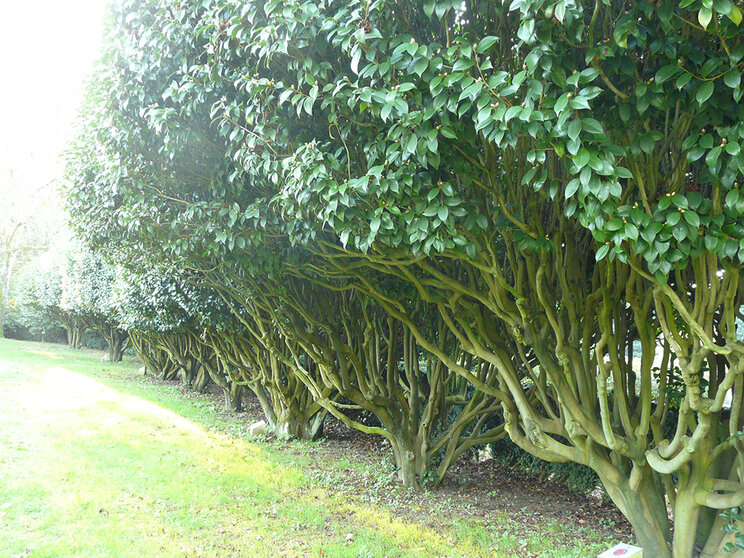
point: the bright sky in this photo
(47, 48)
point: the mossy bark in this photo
(188, 374)
(116, 347)
(645, 508)
(234, 397)
(297, 425)
(410, 459)
(75, 334)
(290, 420)
(201, 380)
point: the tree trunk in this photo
(201, 381)
(115, 348)
(169, 372)
(295, 425)
(78, 334)
(115, 353)
(233, 391)
(286, 420)
(234, 397)
(75, 335)
(686, 513)
(116, 339)
(645, 508)
(407, 470)
(189, 373)
(409, 458)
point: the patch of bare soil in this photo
(478, 489)
(474, 489)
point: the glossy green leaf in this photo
(705, 90)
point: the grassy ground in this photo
(94, 461)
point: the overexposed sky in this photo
(47, 48)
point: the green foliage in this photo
(373, 135)
(732, 526)
(559, 180)
(89, 300)
(160, 301)
(36, 303)
(88, 286)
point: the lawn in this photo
(96, 461)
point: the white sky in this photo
(47, 48)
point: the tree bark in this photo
(189, 373)
(169, 373)
(201, 380)
(115, 353)
(297, 426)
(686, 513)
(645, 508)
(75, 335)
(115, 347)
(233, 397)
(410, 458)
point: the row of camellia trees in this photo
(78, 291)
(470, 219)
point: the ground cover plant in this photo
(541, 197)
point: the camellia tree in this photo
(338, 341)
(165, 317)
(152, 310)
(88, 296)
(559, 179)
(58, 302)
(178, 326)
(37, 301)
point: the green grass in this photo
(96, 462)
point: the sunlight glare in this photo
(48, 49)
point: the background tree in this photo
(30, 222)
(89, 295)
(165, 318)
(36, 298)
